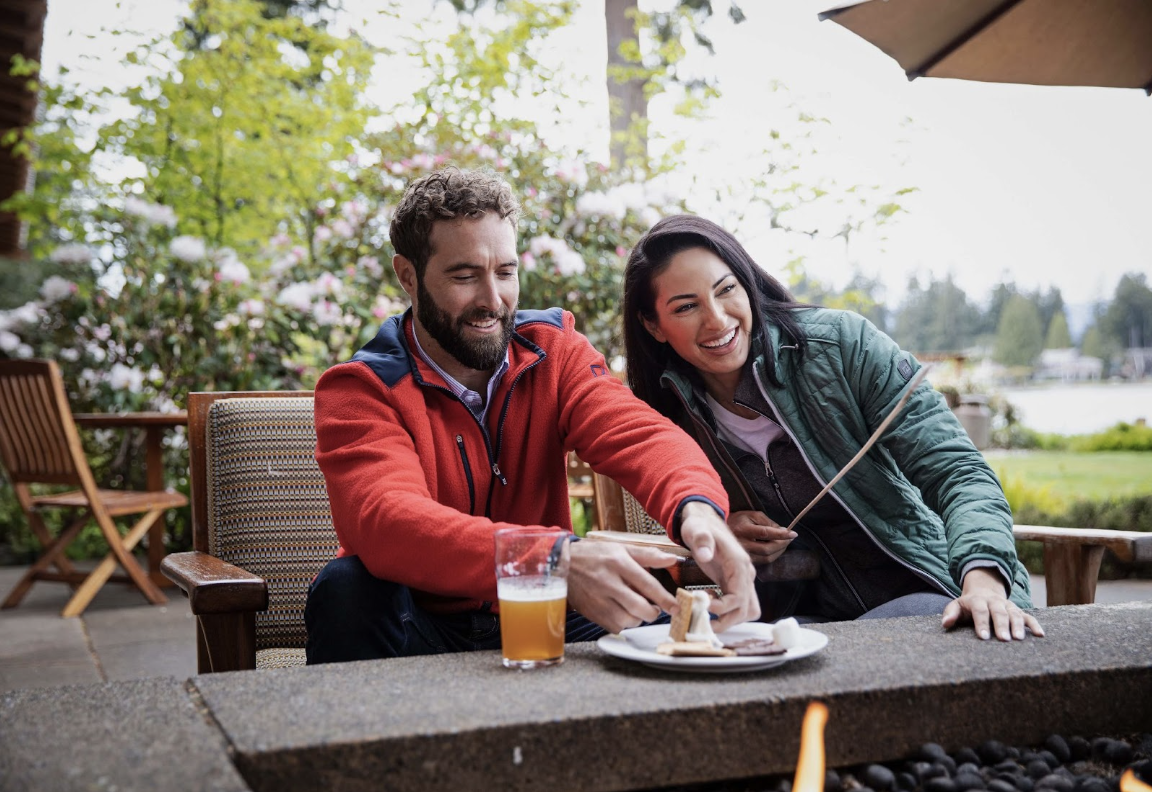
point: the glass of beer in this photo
(532, 584)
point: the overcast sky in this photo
(1043, 186)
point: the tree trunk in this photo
(22, 26)
(625, 99)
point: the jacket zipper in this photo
(468, 474)
(832, 493)
(723, 457)
(500, 436)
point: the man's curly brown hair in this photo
(446, 194)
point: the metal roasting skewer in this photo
(916, 380)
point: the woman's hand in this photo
(761, 538)
(983, 600)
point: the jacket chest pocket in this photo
(467, 469)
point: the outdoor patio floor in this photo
(121, 637)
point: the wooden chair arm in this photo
(215, 586)
(1128, 546)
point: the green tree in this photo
(1128, 319)
(1094, 344)
(238, 134)
(939, 318)
(1058, 336)
(1020, 335)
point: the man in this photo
(454, 422)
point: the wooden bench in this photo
(1071, 555)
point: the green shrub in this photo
(1121, 437)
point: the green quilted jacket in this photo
(923, 491)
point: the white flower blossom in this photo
(9, 341)
(96, 352)
(188, 249)
(385, 306)
(328, 284)
(230, 268)
(566, 260)
(569, 263)
(354, 211)
(56, 288)
(69, 354)
(423, 161)
(23, 351)
(123, 377)
(229, 321)
(326, 312)
(71, 254)
(371, 265)
(296, 295)
(90, 378)
(599, 204)
(27, 314)
(321, 234)
(254, 307)
(150, 213)
(342, 228)
(649, 216)
(572, 172)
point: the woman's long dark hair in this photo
(647, 357)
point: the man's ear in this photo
(653, 329)
(406, 274)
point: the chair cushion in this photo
(268, 508)
(637, 520)
(280, 658)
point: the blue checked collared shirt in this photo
(472, 400)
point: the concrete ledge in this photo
(145, 735)
(463, 722)
(598, 723)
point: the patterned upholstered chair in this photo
(261, 526)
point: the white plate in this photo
(639, 644)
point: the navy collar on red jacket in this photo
(391, 359)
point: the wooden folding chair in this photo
(39, 444)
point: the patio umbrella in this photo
(1040, 42)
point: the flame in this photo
(810, 767)
(1130, 783)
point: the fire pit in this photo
(1072, 764)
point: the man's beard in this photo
(480, 354)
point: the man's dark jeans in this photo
(353, 615)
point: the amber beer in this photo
(532, 617)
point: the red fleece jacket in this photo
(418, 487)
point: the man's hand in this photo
(983, 600)
(720, 555)
(610, 584)
(762, 538)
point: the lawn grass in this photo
(1070, 476)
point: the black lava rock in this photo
(1024, 783)
(1007, 766)
(949, 764)
(1080, 748)
(968, 767)
(922, 770)
(1050, 758)
(967, 781)
(1054, 782)
(1091, 784)
(998, 785)
(1029, 756)
(992, 751)
(931, 752)
(1038, 768)
(879, 777)
(966, 756)
(1059, 748)
(940, 784)
(1013, 752)
(1099, 746)
(831, 781)
(1118, 753)
(905, 782)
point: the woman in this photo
(781, 395)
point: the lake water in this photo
(1082, 408)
